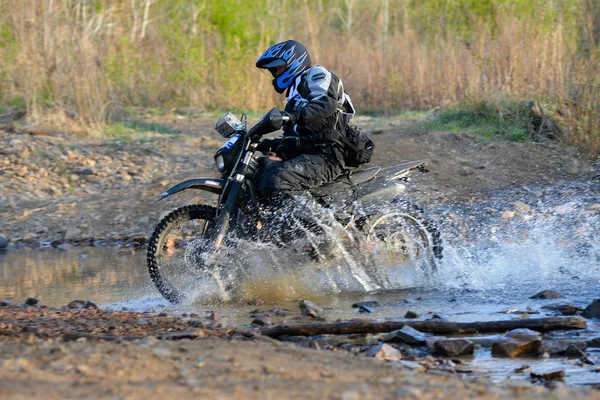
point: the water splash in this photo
(525, 241)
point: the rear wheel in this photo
(177, 252)
(405, 234)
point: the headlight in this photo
(220, 163)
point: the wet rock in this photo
(453, 347)
(31, 301)
(310, 309)
(566, 308)
(411, 314)
(523, 369)
(406, 335)
(546, 294)
(548, 376)
(517, 342)
(365, 309)
(561, 347)
(430, 341)
(90, 304)
(5, 303)
(593, 310)
(3, 243)
(384, 352)
(595, 342)
(262, 321)
(371, 303)
(64, 246)
(80, 305)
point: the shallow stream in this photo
(498, 253)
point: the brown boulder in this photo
(310, 309)
(454, 347)
(517, 342)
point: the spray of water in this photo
(540, 241)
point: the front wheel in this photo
(177, 252)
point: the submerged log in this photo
(363, 326)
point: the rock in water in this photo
(516, 342)
(262, 321)
(454, 347)
(406, 335)
(3, 243)
(566, 308)
(371, 303)
(80, 304)
(365, 309)
(546, 294)
(31, 301)
(593, 310)
(548, 376)
(5, 303)
(310, 309)
(411, 314)
(384, 352)
(562, 347)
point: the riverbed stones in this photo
(31, 301)
(593, 310)
(411, 314)
(370, 304)
(384, 352)
(261, 321)
(546, 294)
(310, 309)
(406, 335)
(81, 305)
(517, 342)
(548, 376)
(453, 347)
(3, 243)
(565, 308)
(5, 303)
(561, 347)
(365, 309)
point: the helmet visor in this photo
(276, 67)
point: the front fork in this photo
(225, 211)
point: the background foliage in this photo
(88, 60)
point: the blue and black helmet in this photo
(285, 61)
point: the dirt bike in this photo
(196, 241)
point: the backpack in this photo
(358, 148)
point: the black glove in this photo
(292, 118)
(265, 146)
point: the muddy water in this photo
(498, 253)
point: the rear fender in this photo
(208, 184)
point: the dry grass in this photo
(89, 59)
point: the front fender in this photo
(212, 185)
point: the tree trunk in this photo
(363, 326)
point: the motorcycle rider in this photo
(319, 111)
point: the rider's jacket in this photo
(320, 105)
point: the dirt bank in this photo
(40, 360)
(63, 188)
